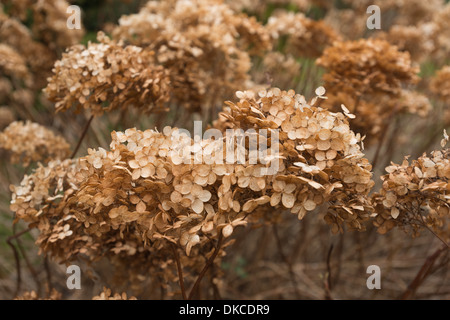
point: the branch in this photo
(180, 270)
(83, 135)
(206, 267)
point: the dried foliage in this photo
(107, 76)
(415, 195)
(203, 44)
(368, 77)
(30, 142)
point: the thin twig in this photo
(206, 267)
(286, 261)
(49, 274)
(83, 135)
(327, 281)
(423, 273)
(180, 270)
(17, 258)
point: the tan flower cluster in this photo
(368, 76)
(366, 66)
(417, 40)
(305, 37)
(156, 193)
(106, 76)
(32, 295)
(415, 195)
(6, 117)
(204, 44)
(50, 24)
(30, 142)
(440, 85)
(281, 68)
(106, 294)
(37, 56)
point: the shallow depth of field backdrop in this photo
(90, 176)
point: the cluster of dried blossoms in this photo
(440, 85)
(106, 294)
(30, 142)
(305, 37)
(34, 48)
(368, 76)
(203, 44)
(33, 295)
(106, 76)
(156, 194)
(415, 195)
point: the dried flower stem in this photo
(423, 273)
(206, 267)
(83, 135)
(327, 280)
(180, 270)
(17, 258)
(286, 261)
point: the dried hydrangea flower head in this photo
(106, 76)
(417, 40)
(323, 162)
(32, 295)
(366, 66)
(50, 24)
(37, 56)
(6, 117)
(143, 199)
(368, 76)
(203, 44)
(440, 85)
(30, 142)
(305, 37)
(415, 195)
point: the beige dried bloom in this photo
(50, 24)
(106, 76)
(32, 295)
(417, 40)
(305, 37)
(440, 85)
(30, 142)
(366, 66)
(106, 294)
(367, 77)
(6, 117)
(414, 195)
(203, 43)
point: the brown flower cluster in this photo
(106, 76)
(155, 195)
(106, 294)
(204, 44)
(368, 76)
(30, 142)
(415, 195)
(440, 85)
(50, 24)
(305, 37)
(33, 295)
